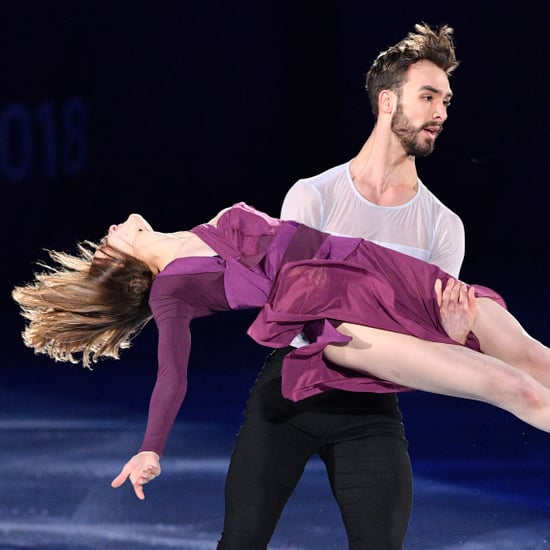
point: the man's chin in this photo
(421, 151)
(425, 148)
(425, 152)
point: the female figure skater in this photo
(371, 316)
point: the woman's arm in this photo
(166, 400)
(175, 301)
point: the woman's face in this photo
(123, 236)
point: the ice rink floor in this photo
(481, 477)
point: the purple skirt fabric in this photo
(373, 286)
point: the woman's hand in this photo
(457, 308)
(140, 469)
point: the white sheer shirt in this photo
(423, 227)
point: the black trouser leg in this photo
(360, 438)
(371, 480)
(267, 462)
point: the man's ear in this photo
(387, 100)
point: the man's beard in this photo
(409, 136)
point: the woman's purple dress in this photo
(304, 281)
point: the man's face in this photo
(422, 108)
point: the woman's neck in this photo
(160, 249)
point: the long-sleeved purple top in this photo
(303, 280)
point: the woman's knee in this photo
(516, 389)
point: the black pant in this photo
(360, 438)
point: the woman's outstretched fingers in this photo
(140, 469)
(137, 484)
(119, 479)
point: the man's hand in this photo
(140, 469)
(457, 307)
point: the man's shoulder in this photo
(327, 177)
(434, 202)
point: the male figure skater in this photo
(359, 436)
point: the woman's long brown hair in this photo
(91, 303)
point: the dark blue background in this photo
(191, 106)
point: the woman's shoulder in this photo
(189, 265)
(242, 214)
(186, 285)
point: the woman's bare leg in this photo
(501, 336)
(445, 369)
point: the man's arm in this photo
(303, 204)
(457, 305)
(449, 245)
